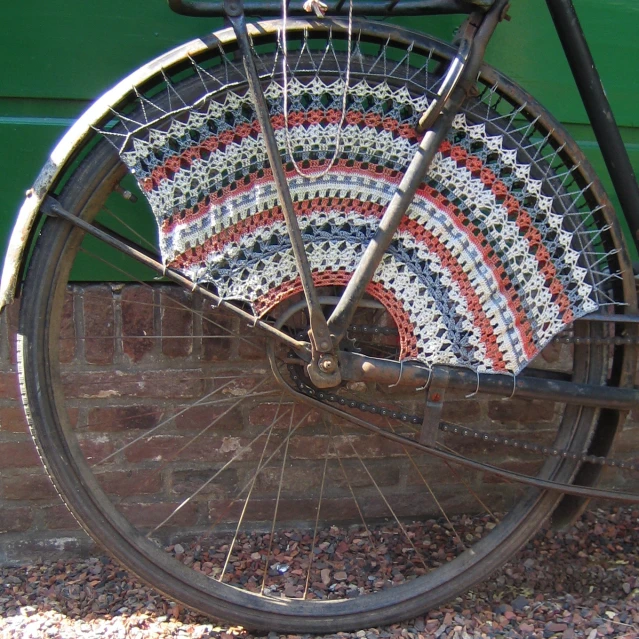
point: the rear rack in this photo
(273, 8)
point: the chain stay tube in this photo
(478, 30)
(323, 368)
(545, 484)
(356, 367)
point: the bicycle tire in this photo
(88, 182)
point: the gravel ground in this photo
(579, 583)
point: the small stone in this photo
(179, 549)
(340, 576)
(326, 576)
(520, 602)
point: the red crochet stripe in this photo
(234, 234)
(188, 216)
(478, 170)
(175, 163)
(408, 341)
(523, 221)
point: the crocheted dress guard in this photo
(482, 273)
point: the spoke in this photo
(317, 516)
(149, 337)
(266, 463)
(350, 488)
(390, 508)
(213, 403)
(140, 237)
(215, 476)
(163, 423)
(248, 497)
(217, 419)
(430, 490)
(468, 487)
(180, 304)
(277, 503)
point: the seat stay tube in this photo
(323, 369)
(598, 109)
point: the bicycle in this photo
(278, 456)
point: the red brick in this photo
(385, 473)
(298, 479)
(460, 411)
(519, 411)
(218, 328)
(264, 415)
(186, 483)
(12, 420)
(99, 325)
(203, 449)
(150, 515)
(28, 487)
(9, 387)
(436, 472)
(367, 446)
(123, 418)
(252, 346)
(15, 519)
(153, 384)
(200, 418)
(137, 307)
(132, 482)
(59, 518)
(177, 322)
(67, 329)
(18, 455)
(289, 509)
(96, 448)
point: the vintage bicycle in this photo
(379, 245)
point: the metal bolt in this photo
(328, 364)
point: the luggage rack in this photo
(269, 8)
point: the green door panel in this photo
(75, 49)
(58, 56)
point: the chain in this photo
(462, 431)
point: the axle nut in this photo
(327, 364)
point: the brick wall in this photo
(135, 357)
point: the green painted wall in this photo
(58, 56)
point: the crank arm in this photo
(474, 40)
(323, 357)
(356, 367)
(52, 207)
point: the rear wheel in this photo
(180, 438)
